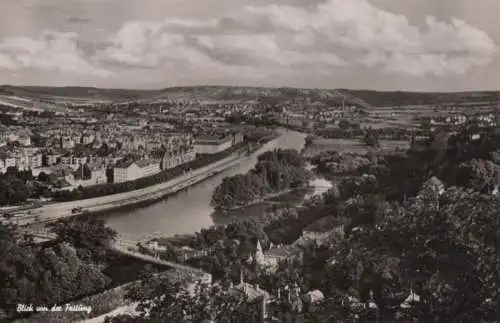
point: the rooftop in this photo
(287, 251)
(253, 292)
(325, 224)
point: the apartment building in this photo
(173, 159)
(24, 140)
(212, 145)
(238, 138)
(97, 175)
(67, 143)
(73, 161)
(87, 139)
(9, 161)
(50, 159)
(35, 161)
(129, 170)
(22, 160)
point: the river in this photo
(189, 211)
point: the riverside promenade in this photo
(54, 211)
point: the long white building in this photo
(214, 145)
(131, 170)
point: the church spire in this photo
(259, 254)
(259, 247)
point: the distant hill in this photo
(258, 94)
(206, 94)
(197, 93)
(76, 93)
(396, 98)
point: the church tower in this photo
(259, 254)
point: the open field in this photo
(25, 103)
(351, 146)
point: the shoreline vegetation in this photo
(257, 213)
(276, 172)
(261, 200)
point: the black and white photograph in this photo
(249, 161)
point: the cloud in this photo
(6, 62)
(52, 51)
(387, 39)
(264, 41)
(330, 35)
(82, 20)
(156, 46)
(210, 44)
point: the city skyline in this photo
(431, 45)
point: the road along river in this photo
(189, 211)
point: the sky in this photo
(416, 45)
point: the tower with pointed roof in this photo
(259, 254)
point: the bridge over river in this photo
(121, 245)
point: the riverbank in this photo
(109, 203)
(256, 212)
(264, 199)
(141, 197)
(189, 210)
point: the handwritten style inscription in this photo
(55, 308)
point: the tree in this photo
(484, 175)
(344, 124)
(31, 274)
(43, 177)
(87, 233)
(275, 171)
(371, 138)
(12, 190)
(161, 299)
(309, 140)
(426, 124)
(84, 172)
(447, 255)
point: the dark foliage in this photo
(275, 171)
(87, 233)
(30, 274)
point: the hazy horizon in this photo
(383, 45)
(235, 86)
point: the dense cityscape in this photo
(375, 245)
(234, 161)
